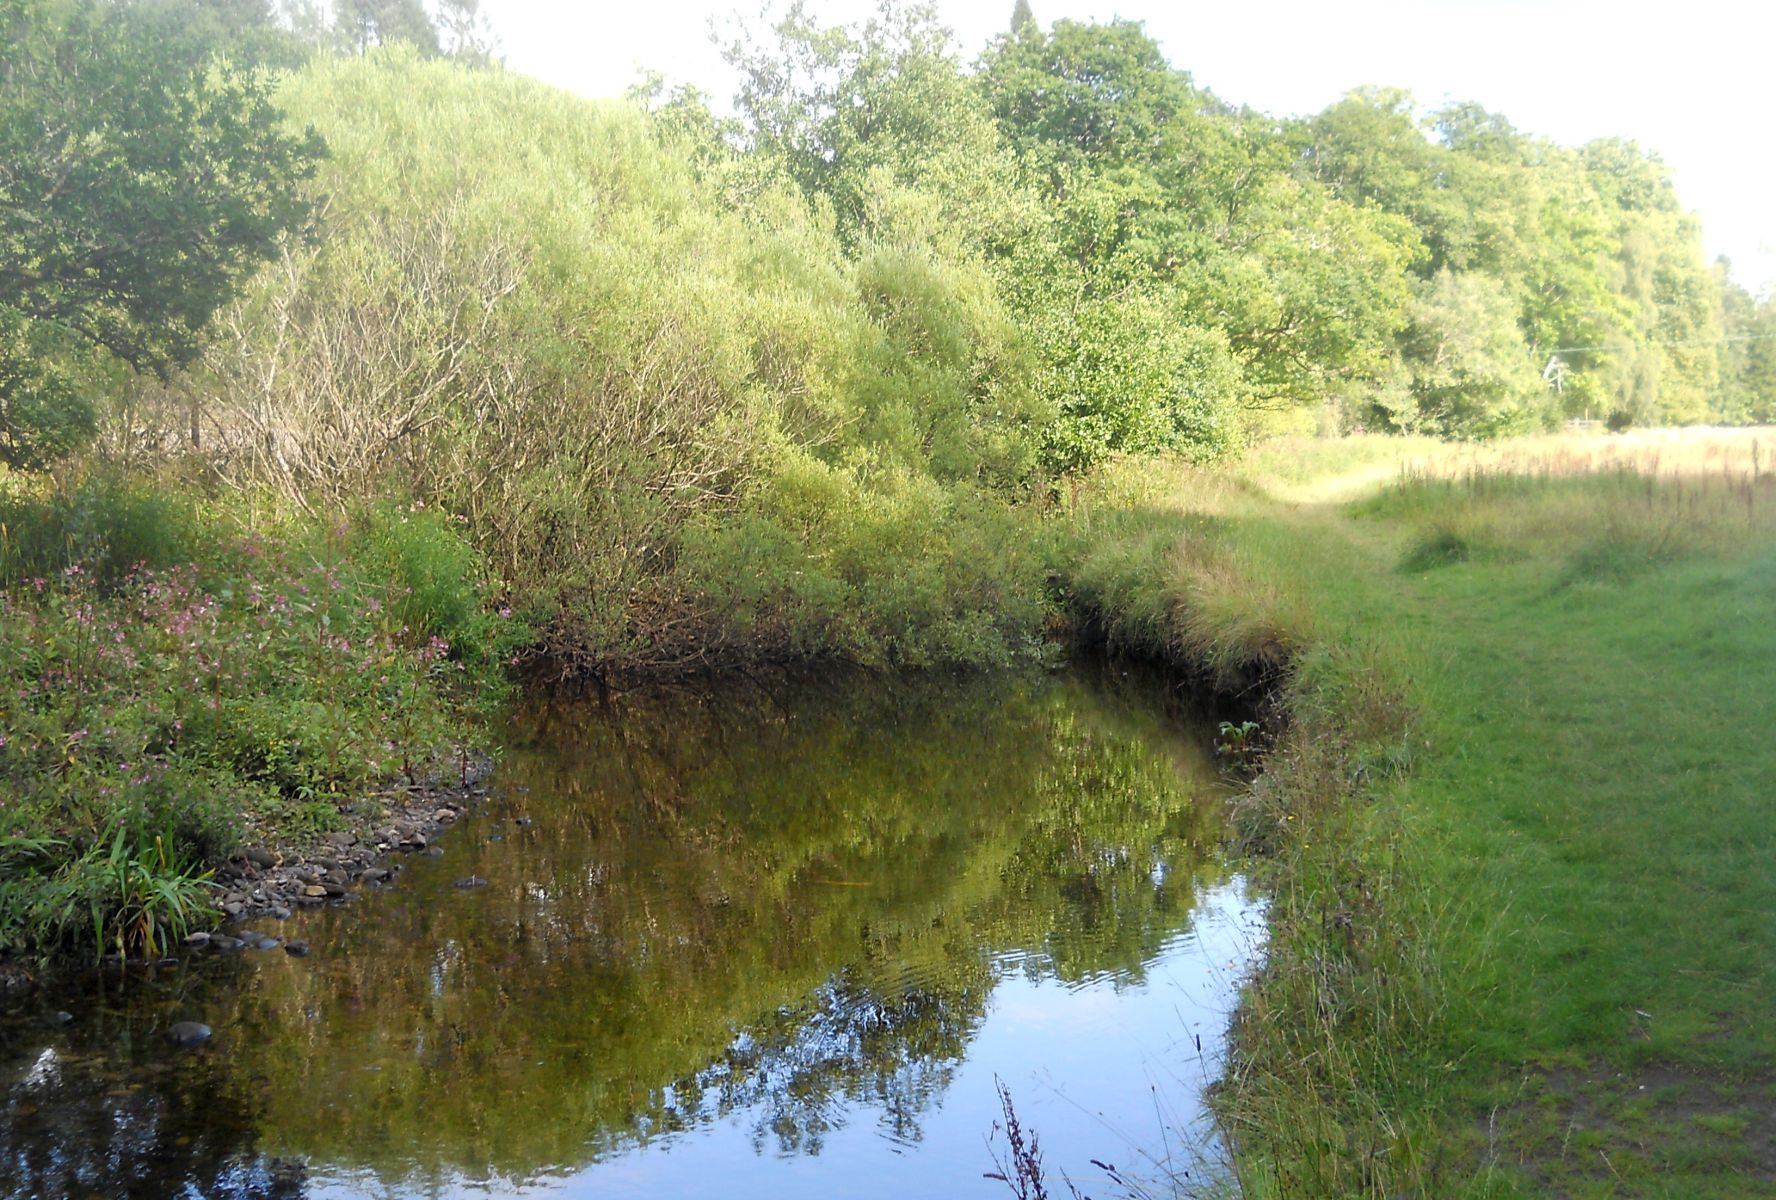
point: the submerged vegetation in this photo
(345, 375)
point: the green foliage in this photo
(1471, 374)
(1157, 187)
(589, 358)
(129, 212)
(107, 524)
(150, 717)
(1586, 252)
(433, 580)
(121, 895)
(842, 110)
(1238, 741)
(875, 565)
(1132, 378)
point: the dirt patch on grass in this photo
(1599, 1130)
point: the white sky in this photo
(1695, 81)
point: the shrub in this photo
(530, 313)
(107, 524)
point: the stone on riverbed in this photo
(188, 1033)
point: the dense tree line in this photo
(1179, 261)
(795, 376)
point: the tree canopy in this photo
(129, 212)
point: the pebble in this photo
(473, 881)
(264, 880)
(225, 944)
(296, 949)
(200, 938)
(188, 1033)
(61, 1017)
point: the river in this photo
(751, 942)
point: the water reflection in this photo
(763, 933)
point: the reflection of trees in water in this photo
(109, 1118)
(786, 911)
(799, 1070)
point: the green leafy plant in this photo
(1238, 742)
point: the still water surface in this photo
(756, 943)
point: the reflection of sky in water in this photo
(1097, 1070)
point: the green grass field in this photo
(1520, 826)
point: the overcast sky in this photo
(1695, 81)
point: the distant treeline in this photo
(797, 380)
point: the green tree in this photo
(1757, 381)
(1668, 369)
(1131, 377)
(1472, 375)
(844, 110)
(141, 182)
(361, 24)
(1155, 184)
(1735, 398)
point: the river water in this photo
(760, 942)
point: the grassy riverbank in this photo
(1519, 847)
(177, 680)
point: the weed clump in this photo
(1437, 547)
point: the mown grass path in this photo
(1597, 789)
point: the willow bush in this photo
(629, 383)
